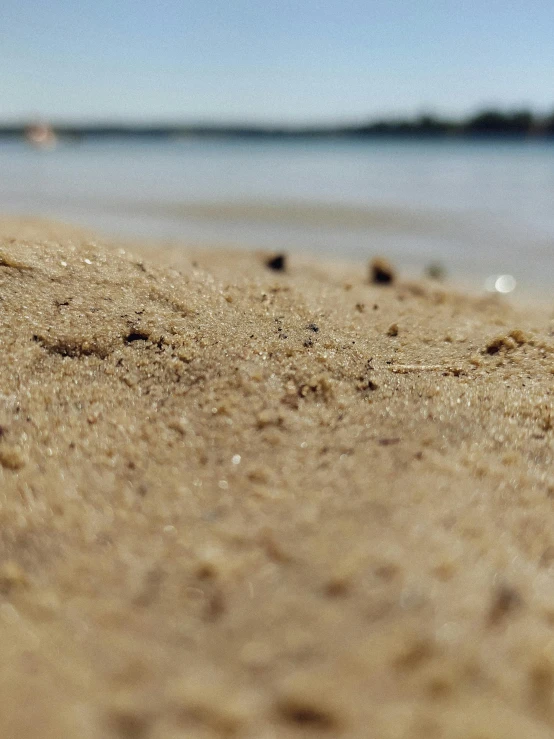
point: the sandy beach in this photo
(240, 501)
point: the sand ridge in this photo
(240, 502)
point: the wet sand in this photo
(244, 502)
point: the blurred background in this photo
(420, 131)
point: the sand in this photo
(244, 502)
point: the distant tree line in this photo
(486, 123)
(491, 122)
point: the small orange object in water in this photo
(41, 136)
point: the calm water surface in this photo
(479, 208)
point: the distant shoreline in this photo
(484, 125)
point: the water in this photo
(477, 207)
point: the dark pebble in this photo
(277, 263)
(381, 272)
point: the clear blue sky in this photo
(272, 60)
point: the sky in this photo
(272, 61)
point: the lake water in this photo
(480, 208)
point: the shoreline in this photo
(460, 273)
(480, 212)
